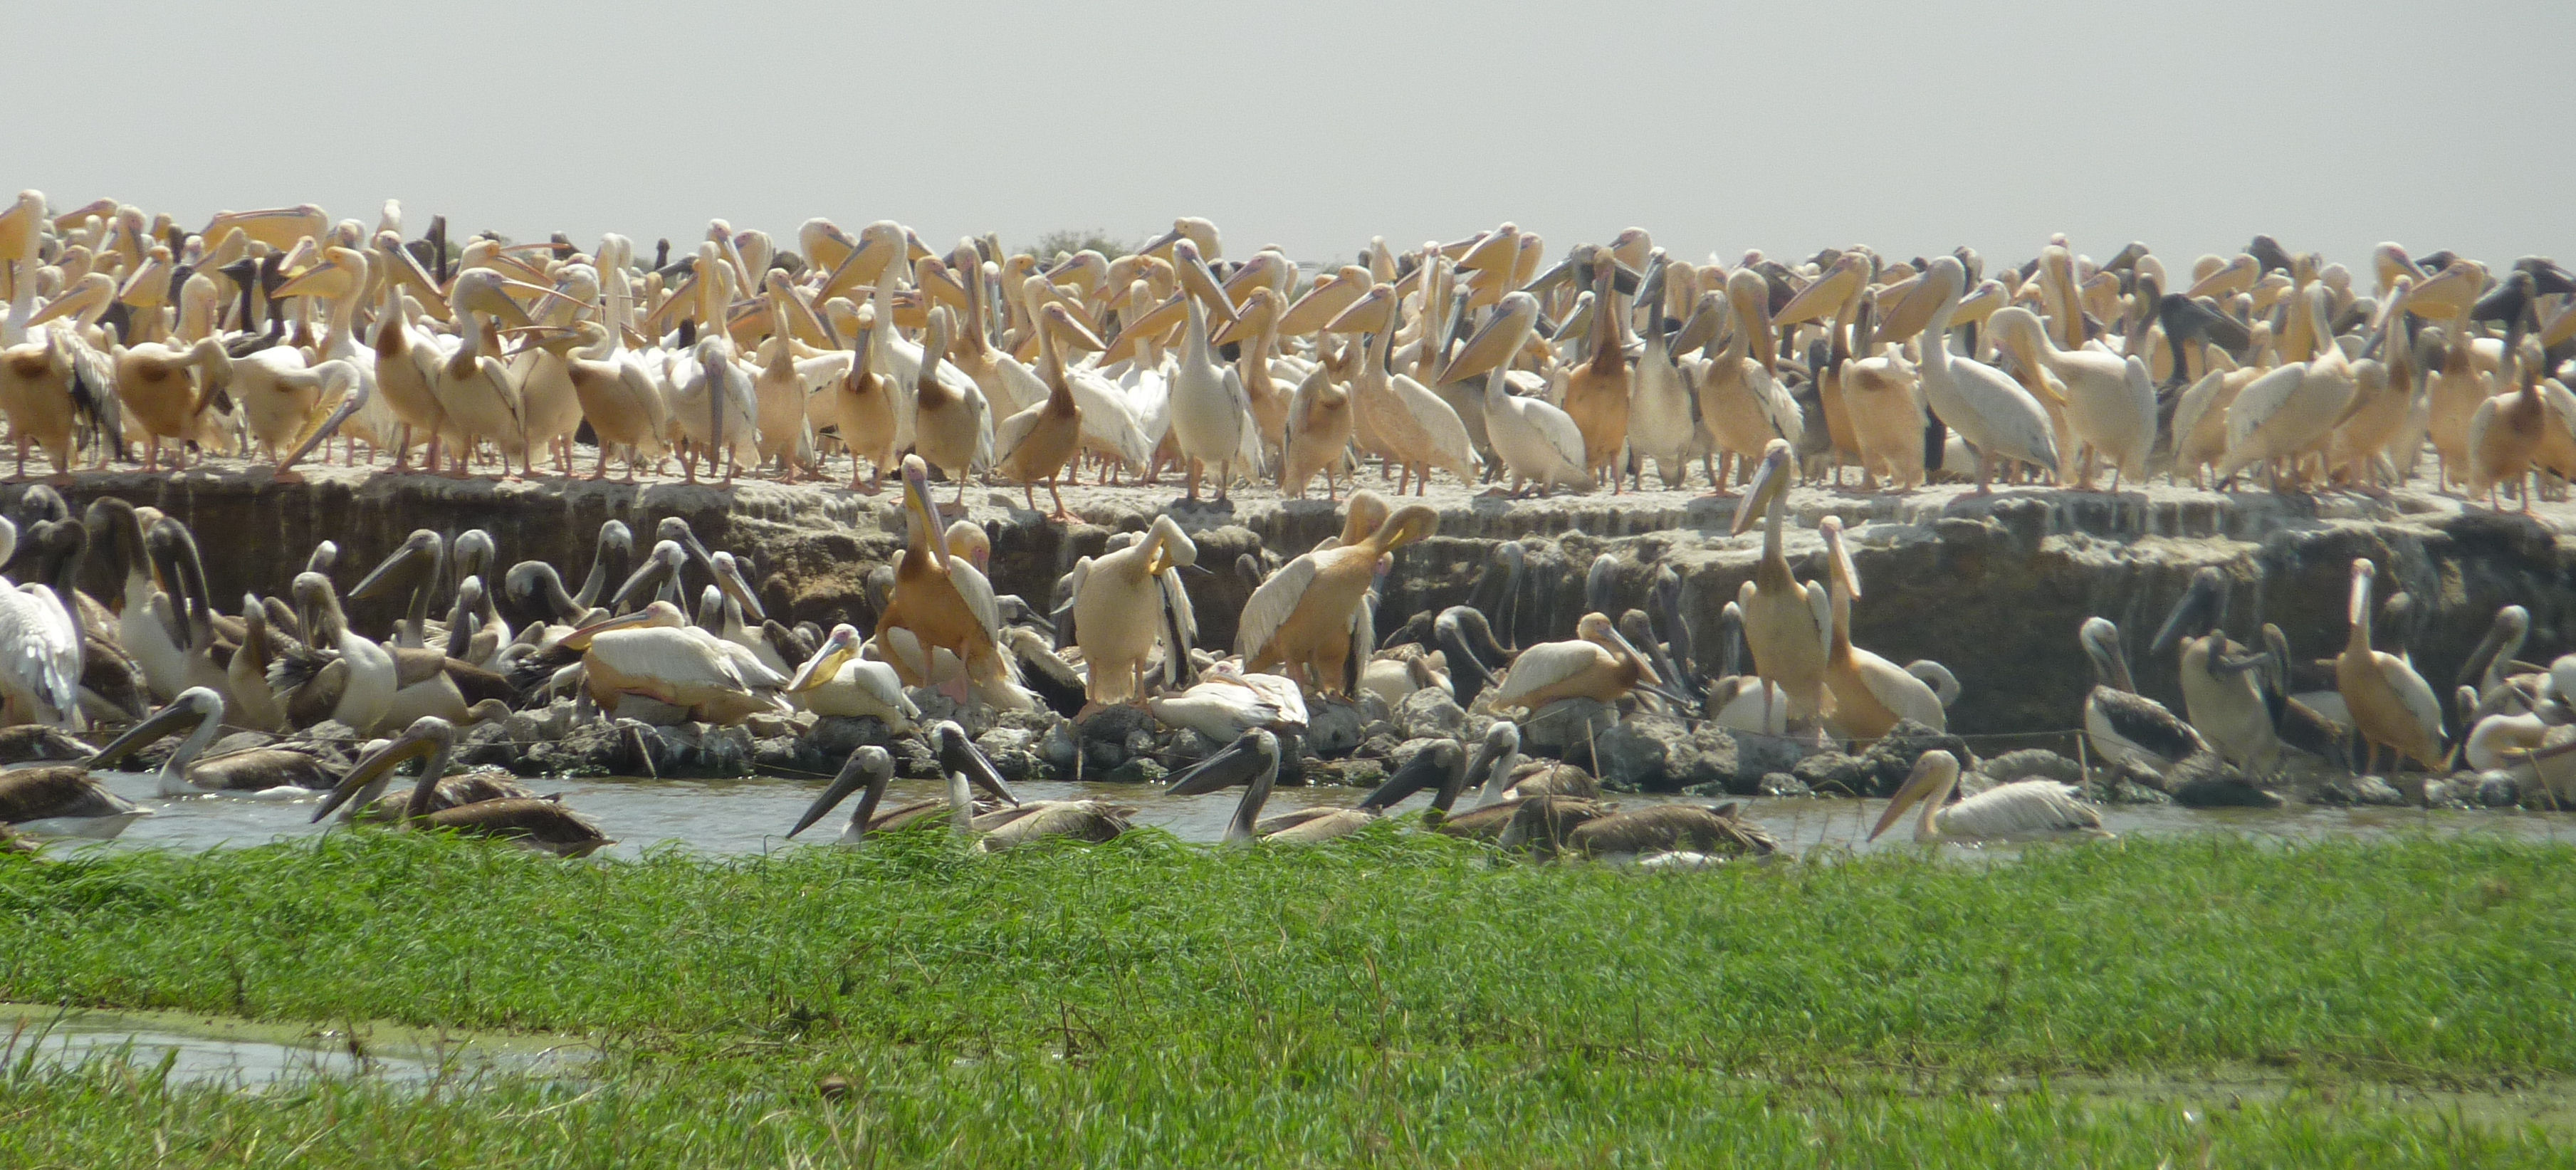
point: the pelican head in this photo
(1251, 757)
(660, 614)
(428, 736)
(1838, 555)
(1934, 775)
(198, 708)
(917, 505)
(1770, 486)
(2357, 611)
(1496, 757)
(2202, 610)
(838, 649)
(1598, 629)
(870, 768)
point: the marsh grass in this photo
(1395, 997)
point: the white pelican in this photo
(1211, 419)
(1538, 442)
(1659, 424)
(344, 675)
(2391, 705)
(1120, 603)
(1741, 403)
(40, 650)
(2506, 431)
(2020, 811)
(940, 601)
(1870, 693)
(1317, 436)
(1037, 442)
(2110, 408)
(837, 681)
(713, 408)
(1397, 414)
(1596, 393)
(1597, 663)
(656, 654)
(1310, 614)
(1989, 410)
(1223, 708)
(477, 395)
(2289, 412)
(1789, 627)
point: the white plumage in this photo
(1989, 410)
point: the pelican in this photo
(2122, 724)
(1317, 434)
(1871, 694)
(1661, 426)
(1740, 400)
(941, 602)
(1252, 760)
(342, 674)
(1226, 705)
(1306, 615)
(1662, 834)
(656, 654)
(475, 391)
(2287, 413)
(1988, 409)
(869, 769)
(1538, 442)
(1597, 663)
(1394, 414)
(40, 648)
(1119, 605)
(270, 773)
(2020, 811)
(2391, 705)
(863, 404)
(1596, 394)
(63, 800)
(166, 389)
(712, 406)
(1211, 417)
(949, 427)
(616, 397)
(542, 825)
(2222, 693)
(2110, 408)
(1788, 627)
(2505, 432)
(1037, 442)
(837, 681)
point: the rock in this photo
(1429, 713)
(2457, 793)
(487, 745)
(1378, 746)
(1631, 755)
(976, 718)
(771, 726)
(1142, 743)
(2360, 790)
(1565, 729)
(836, 736)
(1836, 774)
(531, 726)
(2032, 763)
(1760, 755)
(2498, 790)
(328, 731)
(779, 755)
(1005, 739)
(1892, 758)
(1783, 784)
(239, 741)
(913, 758)
(651, 712)
(1060, 750)
(1352, 772)
(1334, 728)
(1140, 770)
(1188, 746)
(2127, 791)
(723, 753)
(1401, 754)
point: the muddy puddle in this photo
(198, 1049)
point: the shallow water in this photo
(244, 1054)
(750, 816)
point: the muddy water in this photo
(734, 817)
(245, 1054)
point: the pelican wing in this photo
(2413, 691)
(1779, 408)
(1898, 691)
(1547, 664)
(2019, 809)
(1015, 430)
(1553, 425)
(680, 657)
(1439, 423)
(38, 652)
(1178, 599)
(1994, 413)
(1270, 605)
(977, 593)
(1108, 418)
(1820, 604)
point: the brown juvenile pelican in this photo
(270, 773)
(62, 800)
(537, 824)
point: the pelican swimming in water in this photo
(270, 773)
(535, 823)
(2020, 811)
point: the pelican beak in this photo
(1916, 786)
(1165, 240)
(1202, 284)
(351, 403)
(1769, 481)
(822, 668)
(1495, 344)
(1822, 297)
(2191, 613)
(853, 776)
(2358, 610)
(1645, 666)
(67, 305)
(489, 298)
(321, 280)
(580, 639)
(916, 498)
(1237, 764)
(165, 721)
(409, 745)
(416, 556)
(1842, 561)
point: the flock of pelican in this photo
(269, 333)
(284, 331)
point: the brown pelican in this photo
(537, 824)
(63, 800)
(2019, 811)
(272, 773)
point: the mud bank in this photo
(1993, 587)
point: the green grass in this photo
(1394, 999)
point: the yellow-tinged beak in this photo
(822, 668)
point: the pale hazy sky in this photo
(1720, 126)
